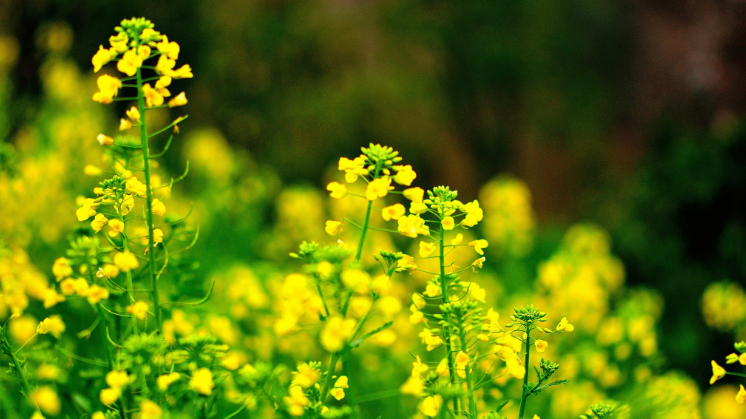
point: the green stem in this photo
(469, 385)
(359, 253)
(130, 285)
(149, 203)
(110, 358)
(329, 374)
(446, 330)
(524, 393)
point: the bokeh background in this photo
(628, 115)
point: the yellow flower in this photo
(404, 175)
(110, 271)
(152, 97)
(458, 239)
(412, 225)
(333, 227)
(104, 139)
(565, 326)
(109, 396)
(335, 333)
(119, 42)
(52, 324)
(426, 249)
(46, 398)
(202, 381)
(718, 372)
(117, 379)
(353, 168)
(478, 263)
(150, 410)
(337, 190)
(179, 100)
(378, 188)
(306, 376)
(135, 187)
(406, 263)
(433, 342)
(126, 261)
(478, 245)
(417, 208)
(133, 114)
(442, 368)
(462, 363)
(97, 293)
(157, 236)
(139, 310)
(98, 222)
(296, 401)
(48, 372)
(541, 345)
(51, 298)
(161, 86)
(165, 380)
(116, 227)
(741, 396)
(124, 124)
(158, 207)
(393, 212)
(37, 415)
(143, 52)
(414, 386)
(356, 280)
(448, 223)
(86, 211)
(169, 49)
(414, 194)
(382, 285)
(101, 58)
(165, 65)
(61, 268)
(108, 87)
(184, 72)
(742, 359)
(81, 287)
(129, 63)
(474, 214)
(389, 306)
(337, 393)
(430, 405)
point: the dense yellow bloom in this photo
(129, 63)
(150, 410)
(333, 228)
(159, 208)
(169, 49)
(404, 175)
(430, 405)
(202, 381)
(478, 245)
(126, 261)
(393, 212)
(109, 396)
(117, 379)
(52, 324)
(116, 227)
(99, 222)
(414, 194)
(152, 96)
(165, 380)
(335, 333)
(108, 87)
(353, 168)
(139, 310)
(412, 225)
(718, 372)
(61, 268)
(541, 345)
(46, 398)
(178, 100)
(378, 188)
(337, 190)
(101, 58)
(426, 249)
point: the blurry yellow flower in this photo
(61, 268)
(91, 170)
(150, 410)
(457, 240)
(202, 381)
(184, 72)
(116, 227)
(126, 261)
(741, 396)
(165, 65)
(426, 249)
(108, 87)
(97, 293)
(389, 306)
(417, 208)
(333, 227)
(46, 398)
(433, 342)
(23, 328)
(178, 100)
(159, 208)
(430, 405)
(104, 139)
(119, 42)
(462, 363)
(337, 393)
(406, 263)
(99, 222)
(139, 310)
(117, 379)
(296, 401)
(165, 380)
(448, 223)
(129, 63)
(381, 285)
(169, 49)
(51, 298)
(541, 345)
(81, 287)
(86, 211)
(414, 386)
(124, 124)
(718, 372)
(442, 368)
(152, 96)
(478, 245)
(353, 168)
(110, 271)
(157, 235)
(101, 58)
(109, 396)
(67, 286)
(306, 376)
(404, 175)
(378, 188)
(52, 324)
(335, 333)
(393, 212)
(337, 190)
(48, 372)
(478, 263)
(133, 114)
(414, 194)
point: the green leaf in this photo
(357, 343)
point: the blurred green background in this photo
(625, 114)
